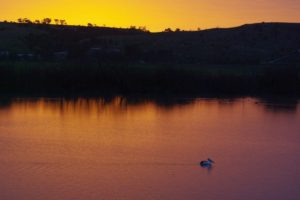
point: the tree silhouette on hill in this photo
(47, 21)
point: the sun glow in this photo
(156, 15)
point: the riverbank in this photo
(131, 78)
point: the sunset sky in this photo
(156, 15)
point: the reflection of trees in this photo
(166, 102)
(118, 101)
(275, 104)
(5, 102)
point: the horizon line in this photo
(144, 28)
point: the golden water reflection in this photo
(128, 148)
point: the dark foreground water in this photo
(93, 149)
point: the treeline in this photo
(43, 21)
(63, 22)
(70, 77)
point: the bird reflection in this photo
(207, 164)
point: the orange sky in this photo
(155, 14)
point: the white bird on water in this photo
(207, 163)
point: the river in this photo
(132, 149)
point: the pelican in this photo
(207, 163)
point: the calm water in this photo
(92, 149)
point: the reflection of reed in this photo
(113, 104)
(279, 104)
(120, 104)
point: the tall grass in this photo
(53, 77)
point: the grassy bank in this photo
(74, 76)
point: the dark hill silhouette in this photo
(253, 43)
(253, 58)
(247, 44)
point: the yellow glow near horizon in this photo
(156, 15)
